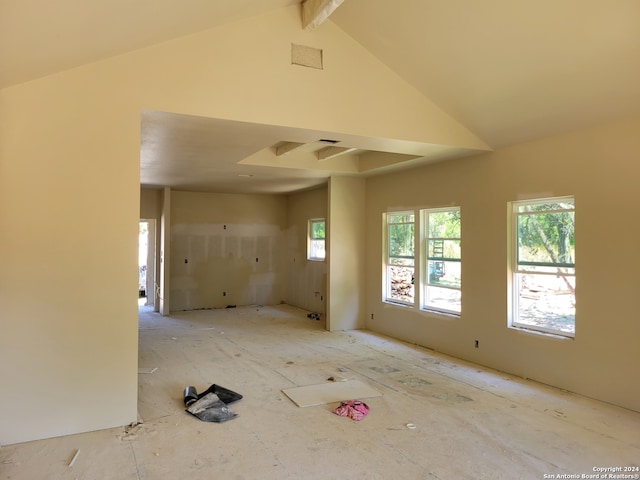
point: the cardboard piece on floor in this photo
(312, 395)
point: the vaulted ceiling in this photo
(508, 71)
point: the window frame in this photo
(516, 269)
(425, 238)
(311, 240)
(387, 288)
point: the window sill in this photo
(440, 313)
(556, 336)
(398, 304)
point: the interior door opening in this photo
(147, 264)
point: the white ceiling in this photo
(509, 71)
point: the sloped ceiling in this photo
(508, 71)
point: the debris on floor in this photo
(330, 392)
(74, 458)
(147, 370)
(132, 431)
(314, 316)
(354, 409)
(211, 405)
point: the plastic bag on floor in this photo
(211, 405)
(210, 408)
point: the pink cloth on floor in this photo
(354, 409)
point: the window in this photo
(400, 273)
(543, 266)
(315, 240)
(442, 283)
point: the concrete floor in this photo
(470, 422)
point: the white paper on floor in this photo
(311, 395)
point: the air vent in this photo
(326, 140)
(306, 56)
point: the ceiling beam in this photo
(314, 12)
(331, 152)
(287, 147)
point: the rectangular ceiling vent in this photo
(306, 56)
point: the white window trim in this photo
(514, 271)
(386, 286)
(424, 261)
(310, 240)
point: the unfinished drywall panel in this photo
(598, 166)
(70, 194)
(226, 250)
(306, 279)
(346, 253)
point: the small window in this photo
(316, 239)
(400, 255)
(443, 260)
(543, 266)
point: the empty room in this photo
(403, 235)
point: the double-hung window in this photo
(400, 257)
(442, 259)
(543, 268)
(316, 239)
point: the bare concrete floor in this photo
(470, 422)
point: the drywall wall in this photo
(599, 167)
(69, 211)
(346, 253)
(151, 203)
(226, 250)
(306, 279)
(70, 194)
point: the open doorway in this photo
(147, 264)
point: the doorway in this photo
(147, 284)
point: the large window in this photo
(543, 266)
(442, 276)
(400, 257)
(316, 239)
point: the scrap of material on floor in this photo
(436, 417)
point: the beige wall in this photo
(346, 253)
(151, 203)
(600, 167)
(226, 250)
(306, 279)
